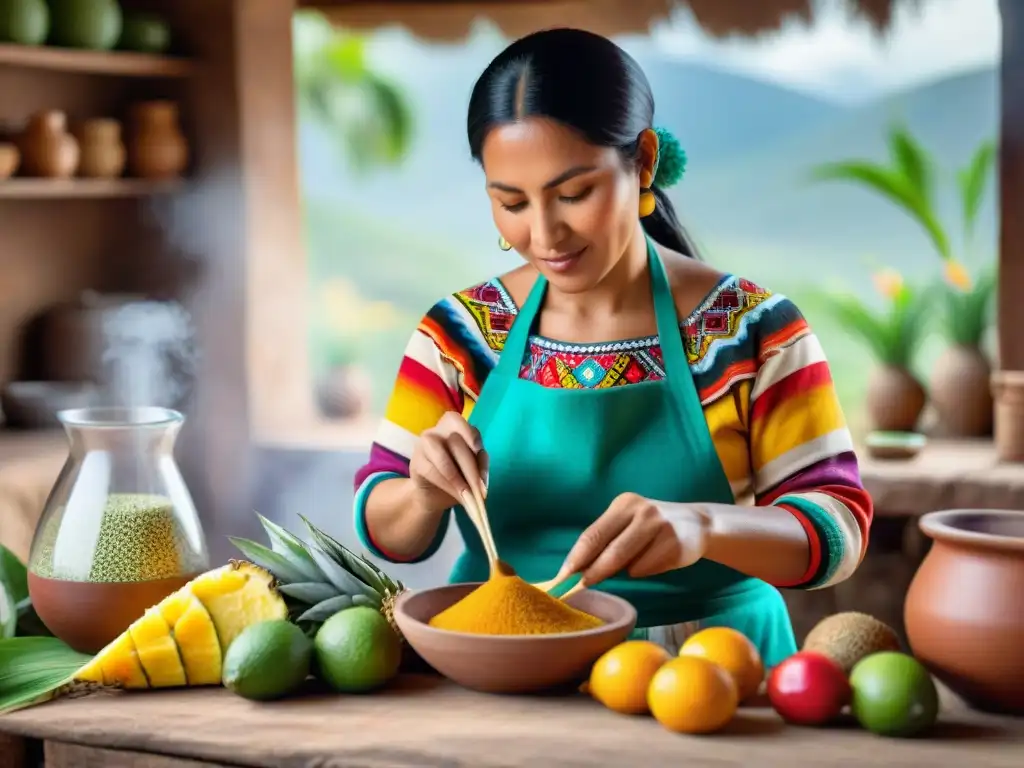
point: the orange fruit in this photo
(692, 695)
(619, 679)
(733, 652)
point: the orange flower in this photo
(956, 275)
(888, 282)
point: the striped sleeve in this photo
(426, 387)
(801, 450)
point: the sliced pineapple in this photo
(157, 650)
(195, 636)
(116, 665)
(237, 596)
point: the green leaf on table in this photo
(33, 670)
(8, 613)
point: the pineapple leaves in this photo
(361, 567)
(308, 592)
(33, 669)
(267, 558)
(287, 545)
(322, 611)
(972, 181)
(337, 575)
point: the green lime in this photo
(145, 33)
(26, 22)
(357, 650)
(893, 694)
(267, 660)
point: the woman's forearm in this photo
(400, 524)
(768, 543)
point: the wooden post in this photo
(1011, 189)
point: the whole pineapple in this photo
(322, 577)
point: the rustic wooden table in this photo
(426, 721)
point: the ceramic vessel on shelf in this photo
(103, 155)
(119, 531)
(47, 149)
(157, 149)
(895, 445)
(511, 663)
(963, 611)
(10, 159)
(1008, 393)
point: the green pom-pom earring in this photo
(671, 163)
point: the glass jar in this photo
(119, 531)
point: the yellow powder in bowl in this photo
(507, 605)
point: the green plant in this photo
(337, 87)
(908, 181)
(894, 333)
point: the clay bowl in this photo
(505, 663)
(963, 611)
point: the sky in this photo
(848, 60)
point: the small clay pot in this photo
(1008, 392)
(103, 155)
(10, 159)
(47, 149)
(959, 390)
(345, 392)
(157, 149)
(895, 399)
(963, 612)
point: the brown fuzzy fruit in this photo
(846, 638)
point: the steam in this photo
(149, 356)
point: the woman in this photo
(615, 400)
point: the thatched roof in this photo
(452, 19)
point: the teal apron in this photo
(559, 457)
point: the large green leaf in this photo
(33, 669)
(972, 181)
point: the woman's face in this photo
(567, 206)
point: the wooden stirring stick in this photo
(473, 504)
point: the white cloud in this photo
(847, 59)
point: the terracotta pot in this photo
(47, 149)
(157, 149)
(895, 399)
(345, 392)
(103, 154)
(959, 390)
(963, 611)
(1008, 392)
(10, 159)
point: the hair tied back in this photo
(671, 164)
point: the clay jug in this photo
(895, 399)
(103, 155)
(156, 148)
(960, 391)
(47, 149)
(963, 610)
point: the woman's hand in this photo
(641, 537)
(448, 460)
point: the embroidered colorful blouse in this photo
(760, 371)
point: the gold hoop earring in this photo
(647, 203)
(504, 244)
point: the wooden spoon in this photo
(474, 505)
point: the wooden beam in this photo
(13, 751)
(1011, 189)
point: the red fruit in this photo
(808, 689)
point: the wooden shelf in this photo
(55, 189)
(120, 63)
